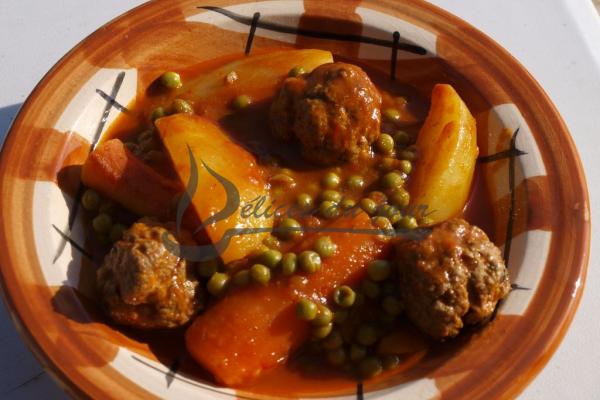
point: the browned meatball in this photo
(334, 112)
(453, 277)
(142, 284)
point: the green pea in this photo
(107, 207)
(370, 367)
(392, 180)
(116, 232)
(271, 242)
(260, 274)
(344, 296)
(370, 289)
(146, 135)
(426, 221)
(390, 361)
(405, 166)
(206, 269)
(217, 284)
(309, 261)
(355, 183)
(325, 247)
(408, 222)
(391, 114)
(392, 305)
(306, 310)
(102, 223)
(389, 287)
(378, 197)
(347, 204)
(171, 80)
(329, 209)
(331, 195)
(360, 299)
(324, 316)
(385, 143)
(340, 316)
(388, 164)
(379, 270)
(357, 352)
(366, 335)
(331, 180)
(241, 278)
(296, 71)
(134, 148)
(90, 200)
(336, 357)
(407, 155)
(154, 156)
(304, 200)
(382, 223)
(390, 212)
(369, 206)
(320, 332)
(333, 341)
(242, 101)
(270, 258)
(180, 106)
(402, 138)
(158, 112)
(288, 264)
(400, 197)
(290, 229)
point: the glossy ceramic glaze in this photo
(530, 171)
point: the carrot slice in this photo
(116, 173)
(254, 329)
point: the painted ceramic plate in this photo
(528, 162)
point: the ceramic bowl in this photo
(528, 162)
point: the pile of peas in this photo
(102, 211)
(348, 334)
(172, 81)
(266, 264)
(388, 206)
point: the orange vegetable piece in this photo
(447, 152)
(254, 329)
(212, 148)
(117, 174)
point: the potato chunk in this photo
(257, 76)
(447, 153)
(212, 148)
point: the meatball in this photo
(142, 284)
(455, 276)
(334, 112)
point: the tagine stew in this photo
(286, 214)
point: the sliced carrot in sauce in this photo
(116, 173)
(255, 328)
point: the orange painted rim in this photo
(547, 126)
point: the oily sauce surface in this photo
(302, 375)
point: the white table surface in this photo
(557, 40)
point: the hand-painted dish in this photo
(83, 126)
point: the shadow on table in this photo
(7, 116)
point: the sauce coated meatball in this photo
(453, 277)
(144, 285)
(334, 112)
